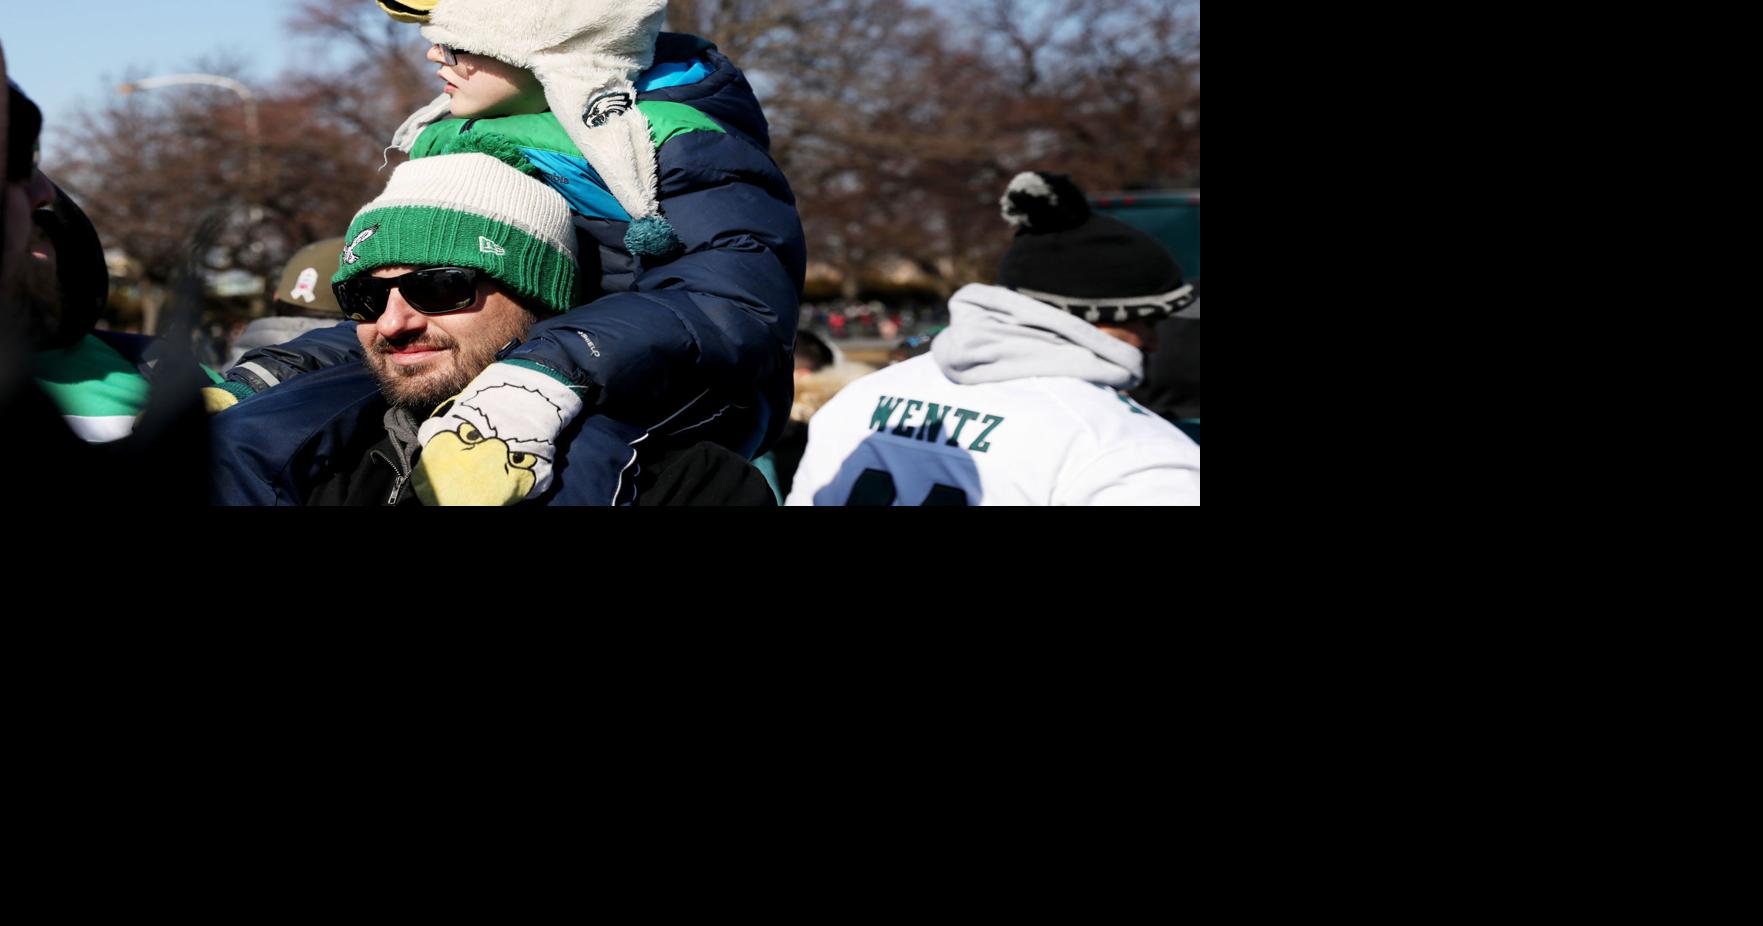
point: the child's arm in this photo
(265, 367)
(701, 348)
(707, 334)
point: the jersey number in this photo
(875, 489)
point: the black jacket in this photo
(372, 472)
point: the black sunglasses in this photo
(434, 291)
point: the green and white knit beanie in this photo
(477, 205)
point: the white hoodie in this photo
(1017, 403)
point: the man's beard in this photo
(435, 381)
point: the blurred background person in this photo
(23, 190)
(97, 438)
(1021, 400)
(303, 300)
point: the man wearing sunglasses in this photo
(443, 274)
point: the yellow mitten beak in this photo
(463, 467)
(409, 11)
(217, 400)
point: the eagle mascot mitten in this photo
(496, 442)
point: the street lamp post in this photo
(253, 174)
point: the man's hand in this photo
(494, 443)
(463, 467)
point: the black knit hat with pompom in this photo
(1093, 266)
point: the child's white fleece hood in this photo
(587, 54)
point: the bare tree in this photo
(898, 122)
(151, 167)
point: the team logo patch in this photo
(306, 286)
(349, 256)
(487, 246)
(605, 106)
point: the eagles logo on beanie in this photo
(1093, 266)
(475, 204)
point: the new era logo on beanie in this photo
(476, 205)
(1093, 266)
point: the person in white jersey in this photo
(1020, 400)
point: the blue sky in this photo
(66, 54)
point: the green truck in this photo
(1172, 374)
(1171, 216)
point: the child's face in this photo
(482, 86)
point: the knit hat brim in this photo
(425, 236)
(469, 210)
(1120, 309)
